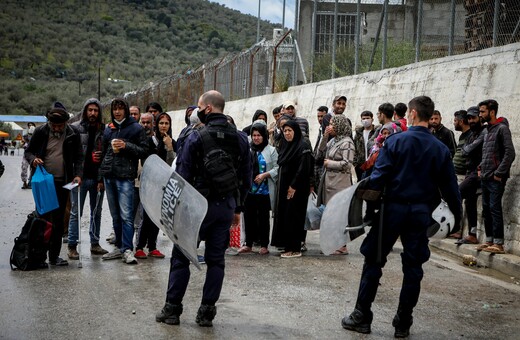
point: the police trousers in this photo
(215, 232)
(409, 222)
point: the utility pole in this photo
(258, 24)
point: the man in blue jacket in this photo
(124, 143)
(411, 170)
(224, 207)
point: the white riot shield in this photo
(342, 220)
(173, 205)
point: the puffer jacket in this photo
(498, 151)
(123, 165)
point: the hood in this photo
(84, 111)
(257, 114)
(501, 120)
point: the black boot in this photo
(402, 325)
(205, 315)
(169, 314)
(358, 321)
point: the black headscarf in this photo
(256, 116)
(293, 149)
(262, 129)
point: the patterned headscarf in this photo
(341, 127)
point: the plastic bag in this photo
(314, 213)
(234, 236)
(43, 190)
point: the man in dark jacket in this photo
(442, 133)
(90, 128)
(364, 134)
(56, 146)
(124, 143)
(472, 150)
(223, 209)
(498, 153)
(412, 169)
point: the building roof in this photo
(23, 119)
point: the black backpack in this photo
(30, 248)
(219, 170)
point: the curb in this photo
(507, 264)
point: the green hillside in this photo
(53, 50)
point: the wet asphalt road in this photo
(264, 297)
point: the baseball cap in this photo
(288, 103)
(473, 111)
(339, 97)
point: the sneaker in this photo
(402, 326)
(357, 322)
(140, 254)
(205, 315)
(72, 253)
(483, 246)
(495, 249)
(304, 248)
(111, 236)
(291, 254)
(169, 314)
(201, 259)
(114, 254)
(59, 262)
(25, 186)
(245, 250)
(96, 249)
(263, 251)
(156, 253)
(232, 251)
(128, 257)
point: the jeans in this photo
(409, 222)
(88, 185)
(492, 192)
(120, 196)
(468, 192)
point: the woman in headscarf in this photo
(386, 130)
(295, 161)
(338, 155)
(259, 114)
(262, 195)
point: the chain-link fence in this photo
(339, 38)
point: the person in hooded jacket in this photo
(124, 143)
(90, 128)
(259, 114)
(295, 171)
(162, 144)
(262, 195)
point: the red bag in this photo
(234, 236)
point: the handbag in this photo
(43, 190)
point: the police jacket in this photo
(235, 143)
(414, 167)
(72, 153)
(123, 165)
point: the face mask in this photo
(202, 115)
(366, 123)
(31, 130)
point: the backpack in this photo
(219, 170)
(30, 248)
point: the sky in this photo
(271, 10)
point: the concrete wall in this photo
(454, 83)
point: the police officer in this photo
(412, 169)
(223, 209)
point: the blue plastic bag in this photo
(43, 190)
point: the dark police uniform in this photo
(413, 168)
(215, 226)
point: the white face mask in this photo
(366, 122)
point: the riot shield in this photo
(173, 205)
(342, 220)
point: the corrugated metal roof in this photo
(23, 119)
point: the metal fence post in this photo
(419, 31)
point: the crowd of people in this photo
(405, 151)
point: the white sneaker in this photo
(128, 257)
(114, 254)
